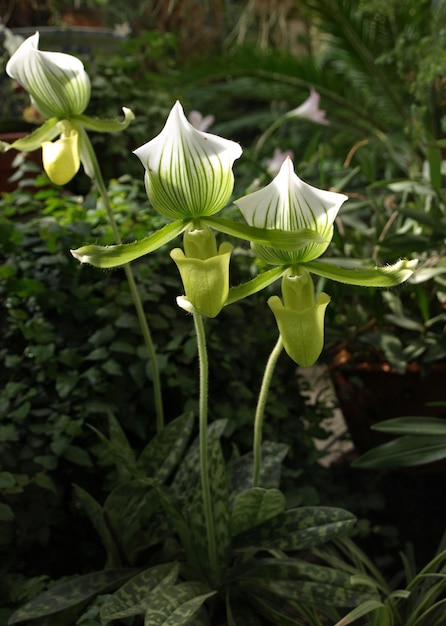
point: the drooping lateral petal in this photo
(387, 276)
(113, 256)
(188, 172)
(57, 82)
(261, 281)
(48, 131)
(289, 203)
(106, 126)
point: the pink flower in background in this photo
(310, 110)
(273, 165)
(199, 122)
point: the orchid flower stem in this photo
(260, 410)
(98, 178)
(203, 413)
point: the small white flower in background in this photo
(122, 30)
(11, 42)
(200, 122)
(273, 165)
(309, 110)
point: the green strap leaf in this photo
(255, 506)
(413, 426)
(106, 126)
(96, 514)
(187, 478)
(368, 606)
(47, 131)
(71, 594)
(163, 452)
(241, 469)
(298, 529)
(113, 256)
(135, 596)
(176, 605)
(407, 451)
(311, 592)
(275, 238)
(258, 283)
(136, 517)
(296, 569)
(388, 276)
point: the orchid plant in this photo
(188, 535)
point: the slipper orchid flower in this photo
(290, 204)
(59, 88)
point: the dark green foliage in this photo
(297, 529)
(72, 593)
(73, 366)
(134, 597)
(177, 582)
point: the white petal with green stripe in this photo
(188, 172)
(57, 82)
(288, 203)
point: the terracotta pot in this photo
(370, 393)
(83, 17)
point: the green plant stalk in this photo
(203, 419)
(260, 410)
(99, 180)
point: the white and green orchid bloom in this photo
(189, 178)
(188, 172)
(288, 203)
(291, 204)
(56, 82)
(59, 88)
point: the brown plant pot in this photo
(369, 393)
(92, 18)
